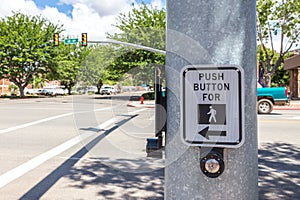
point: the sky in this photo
(94, 17)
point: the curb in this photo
(285, 108)
(139, 105)
(292, 105)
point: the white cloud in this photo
(85, 20)
(158, 4)
(93, 17)
(27, 7)
(85, 17)
(103, 7)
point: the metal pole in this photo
(159, 121)
(215, 32)
(130, 44)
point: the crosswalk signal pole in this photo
(211, 44)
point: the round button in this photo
(212, 165)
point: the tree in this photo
(93, 69)
(276, 18)
(146, 26)
(26, 48)
(280, 77)
(68, 62)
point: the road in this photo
(76, 148)
(279, 155)
(83, 147)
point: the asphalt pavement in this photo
(115, 165)
(278, 155)
(77, 147)
(292, 105)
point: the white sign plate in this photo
(212, 105)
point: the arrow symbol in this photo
(205, 133)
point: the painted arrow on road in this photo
(206, 133)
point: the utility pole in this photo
(211, 138)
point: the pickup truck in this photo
(267, 97)
(107, 90)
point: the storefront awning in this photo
(292, 62)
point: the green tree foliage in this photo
(25, 48)
(276, 18)
(93, 70)
(281, 77)
(146, 26)
(68, 62)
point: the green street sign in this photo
(71, 41)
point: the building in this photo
(293, 65)
(4, 84)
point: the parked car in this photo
(43, 92)
(107, 90)
(52, 91)
(31, 91)
(92, 89)
(267, 97)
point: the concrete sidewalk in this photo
(292, 105)
(145, 104)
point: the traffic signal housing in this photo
(56, 39)
(84, 39)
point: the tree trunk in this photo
(69, 90)
(21, 89)
(99, 85)
(268, 79)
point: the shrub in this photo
(149, 96)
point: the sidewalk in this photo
(138, 104)
(292, 105)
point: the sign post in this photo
(71, 41)
(211, 133)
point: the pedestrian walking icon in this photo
(212, 112)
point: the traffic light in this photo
(56, 39)
(84, 39)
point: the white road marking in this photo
(38, 160)
(22, 169)
(115, 119)
(44, 120)
(33, 123)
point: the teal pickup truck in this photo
(267, 97)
